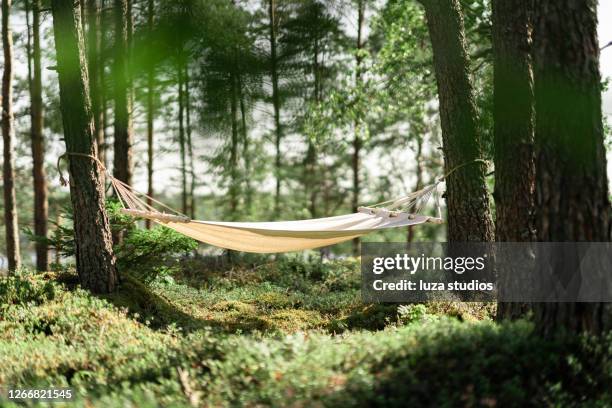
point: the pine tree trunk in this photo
(101, 143)
(181, 123)
(467, 198)
(311, 176)
(418, 184)
(572, 202)
(275, 102)
(246, 152)
(41, 206)
(233, 164)
(150, 113)
(357, 142)
(192, 177)
(8, 135)
(94, 252)
(94, 50)
(122, 166)
(514, 121)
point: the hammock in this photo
(284, 236)
(280, 236)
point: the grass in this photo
(288, 333)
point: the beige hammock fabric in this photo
(286, 236)
(283, 236)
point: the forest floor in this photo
(283, 333)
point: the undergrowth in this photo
(288, 333)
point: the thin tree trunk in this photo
(357, 142)
(310, 161)
(418, 182)
(150, 113)
(8, 135)
(192, 176)
(181, 120)
(122, 166)
(41, 206)
(233, 164)
(514, 121)
(572, 201)
(275, 102)
(246, 152)
(101, 141)
(94, 50)
(94, 250)
(469, 215)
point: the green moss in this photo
(263, 342)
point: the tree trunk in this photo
(310, 175)
(572, 202)
(94, 251)
(150, 113)
(101, 143)
(357, 142)
(467, 198)
(192, 177)
(233, 164)
(275, 102)
(246, 153)
(418, 184)
(41, 206)
(122, 166)
(514, 121)
(8, 134)
(94, 50)
(181, 123)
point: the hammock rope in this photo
(280, 236)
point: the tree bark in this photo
(357, 142)
(192, 177)
(276, 102)
(94, 51)
(513, 130)
(310, 175)
(572, 201)
(122, 166)
(467, 198)
(150, 113)
(102, 144)
(246, 151)
(94, 252)
(41, 206)
(181, 121)
(233, 164)
(418, 184)
(8, 135)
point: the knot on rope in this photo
(63, 180)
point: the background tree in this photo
(8, 134)
(123, 137)
(39, 174)
(96, 75)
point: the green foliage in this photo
(23, 289)
(156, 250)
(140, 346)
(149, 253)
(411, 313)
(62, 235)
